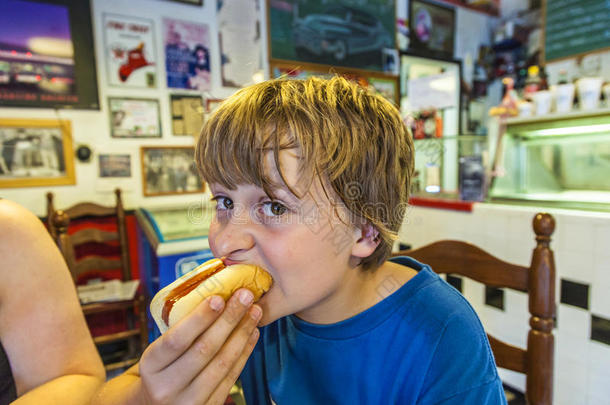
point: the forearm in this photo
(64, 390)
(125, 389)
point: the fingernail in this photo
(216, 303)
(256, 313)
(245, 297)
(254, 335)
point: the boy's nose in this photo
(234, 237)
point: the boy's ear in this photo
(367, 242)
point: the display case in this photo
(561, 160)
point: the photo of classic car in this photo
(340, 32)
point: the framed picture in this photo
(169, 170)
(114, 165)
(129, 51)
(384, 84)
(187, 114)
(36, 153)
(134, 118)
(331, 33)
(212, 104)
(193, 2)
(47, 55)
(431, 29)
(187, 54)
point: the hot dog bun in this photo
(220, 280)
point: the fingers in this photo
(181, 336)
(227, 365)
(206, 346)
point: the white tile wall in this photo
(581, 243)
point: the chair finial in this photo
(544, 224)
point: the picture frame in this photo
(387, 84)
(134, 117)
(212, 104)
(38, 75)
(348, 36)
(36, 153)
(187, 113)
(113, 165)
(191, 2)
(431, 29)
(130, 51)
(169, 170)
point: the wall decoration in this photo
(193, 2)
(353, 34)
(129, 51)
(169, 170)
(35, 153)
(212, 104)
(239, 36)
(134, 118)
(431, 29)
(46, 55)
(114, 165)
(187, 55)
(187, 114)
(386, 85)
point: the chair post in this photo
(120, 217)
(540, 340)
(60, 221)
(50, 212)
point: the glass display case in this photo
(558, 160)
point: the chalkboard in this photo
(575, 27)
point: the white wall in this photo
(580, 244)
(92, 127)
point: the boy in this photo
(310, 179)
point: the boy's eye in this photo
(223, 203)
(274, 208)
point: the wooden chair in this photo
(102, 249)
(538, 280)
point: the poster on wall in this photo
(35, 153)
(239, 36)
(134, 118)
(187, 55)
(129, 51)
(169, 170)
(46, 54)
(432, 29)
(352, 33)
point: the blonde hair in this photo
(352, 140)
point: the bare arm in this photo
(42, 327)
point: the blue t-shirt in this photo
(423, 344)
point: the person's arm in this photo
(42, 327)
(196, 361)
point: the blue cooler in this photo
(171, 242)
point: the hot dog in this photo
(213, 277)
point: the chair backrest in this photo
(538, 280)
(68, 242)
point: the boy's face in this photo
(301, 242)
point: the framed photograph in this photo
(193, 2)
(46, 55)
(187, 54)
(331, 33)
(36, 153)
(114, 165)
(134, 118)
(168, 170)
(431, 29)
(212, 104)
(129, 51)
(187, 114)
(384, 84)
